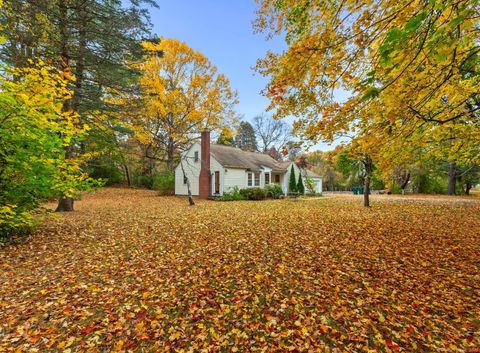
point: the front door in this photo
(217, 182)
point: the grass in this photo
(131, 271)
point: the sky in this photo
(222, 30)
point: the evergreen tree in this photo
(292, 186)
(300, 186)
(246, 139)
(93, 39)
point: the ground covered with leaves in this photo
(131, 271)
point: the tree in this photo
(94, 39)
(271, 133)
(246, 138)
(291, 149)
(34, 131)
(300, 186)
(412, 73)
(226, 137)
(292, 185)
(310, 185)
(470, 177)
(181, 94)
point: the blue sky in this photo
(222, 30)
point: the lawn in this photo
(131, 271)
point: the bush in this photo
(300, 186)
(108, 172)
(234, 194)
(164, 183)
(310, 185)
(425, 184)
(144, 181)
(292, 185)
(15, 221)
(273, 191)
(256, 194)
(253, 193)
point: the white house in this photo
(214, 169)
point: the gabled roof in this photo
(233, 157)
(309, 173)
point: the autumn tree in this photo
(181, 94)
(226, 137)
(411, 69)
(246, 138)
(270, 132)
(34, 130)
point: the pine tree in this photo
(93, 40)
(246, 139)
(292, 186)
(300, 186)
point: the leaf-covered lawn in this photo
(131, 271)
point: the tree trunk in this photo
(452, 178)
(405, 181)
(65, 204)
(170, 154)
(368, 173)
(189, 191)
(127, 175)
(366, 191)
(468, 187)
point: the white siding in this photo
(286, 178)
(234, 177)
(318, 184)
(192, 170)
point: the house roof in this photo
(233, 157)
(309, 173)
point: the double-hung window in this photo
(257, 179)
(253, 179)
(267, 178)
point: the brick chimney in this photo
(272, 152)
(205, 178)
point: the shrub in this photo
(292, 185)
(106, 171)
(253, 193)
(164, 183)
(274, 191)
(144, 181)
(256, 194)
(300, 187)
(234, 194)
(425, 184)
(310, 185)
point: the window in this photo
(267, 178)
(277, 178)
(196, 156)
(257, 179)
(253, 179)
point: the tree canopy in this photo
(410, 67)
